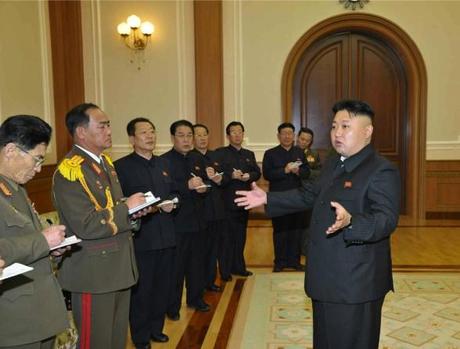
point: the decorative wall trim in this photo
(185, 54)
(47, 75)
(443, 150)
(233, 60)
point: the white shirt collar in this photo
(93, 156)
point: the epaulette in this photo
(108, 159)
(70, 169)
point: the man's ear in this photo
(80, 132)
(131, 140)
(369, 131)
(9, 149)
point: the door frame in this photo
(415, 69)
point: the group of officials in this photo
(129, 269)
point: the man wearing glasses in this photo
(31, 305)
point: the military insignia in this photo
(70, 169)
(347, 184)
(96, 168)
(5, 189)
(99, 185)
(310, 158)
(108, 159)
(165, 173)
(197, 168)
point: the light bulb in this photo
(147, 28)
(134, 21)
(123, 29)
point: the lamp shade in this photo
(123, 29)
(147, 28)
(134, 21)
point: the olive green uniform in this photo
(101, 269)
(32, 306)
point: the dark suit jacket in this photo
(31, 305)
(137, 174)
(104, 261)
(243, 160)
(189, 216)
(214, 208)
(354, 264)
(274, 162)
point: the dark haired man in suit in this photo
(154, 243)
(355, 209)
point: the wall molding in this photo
(443, 150)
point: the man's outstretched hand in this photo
(250, 199)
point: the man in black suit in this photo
(187, 173)
(216, 232)
(155, 242)
(241, 164)
(284, 166)
(355, 209)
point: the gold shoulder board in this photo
(70, 169)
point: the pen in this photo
(192, 174)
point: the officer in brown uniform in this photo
(32, 307)
(88, 197)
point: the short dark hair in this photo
(202, 126)
(178, 123)
(354, 107)
(131, 127)
(27, 131)
(306, 130)
(77, 116)
(232, 124)
(286, 125)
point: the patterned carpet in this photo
(423, 313)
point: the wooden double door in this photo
(354, 65)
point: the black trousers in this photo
(347, 326)
(286, 239)
(188, 267)
(237, 224)
(213, 239)
(149, 297)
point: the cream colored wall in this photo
(163, 89)
(258, 36)
(25, 63)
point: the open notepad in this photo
(150, 200)
(67, 241)
(13, 270)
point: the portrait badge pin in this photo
(347, 184)
(165, 173)
(197, 168)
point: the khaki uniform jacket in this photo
(32, 307)
(104, 261)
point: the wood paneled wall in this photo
(443, 189)
(209, 68)
(68, 86)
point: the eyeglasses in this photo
(39, 160)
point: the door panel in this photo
(356, 66)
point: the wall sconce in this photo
(136, 36)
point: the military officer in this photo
(101, 270)
(31, 305)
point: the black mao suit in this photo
(154, 245)
(349, 272)
(216, 235)
(287, 228)
(244, 160)
(189, 224)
